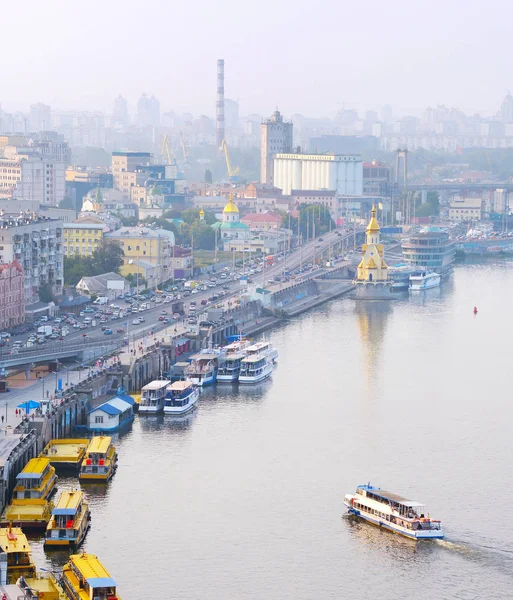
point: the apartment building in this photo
(36, 243)
(276, 138)
(82, 239)
(12, 300)
(145, 250)
(125, 170)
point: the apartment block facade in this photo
(124, 170)
(36, 243)
(12, 295)
(82, 239)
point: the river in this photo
(243, 499)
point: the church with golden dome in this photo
(372, 274)
(231, 228)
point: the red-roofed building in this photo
(265, 221)
(12, 295)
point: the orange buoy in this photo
(475, 310)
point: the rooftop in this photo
(158, 384)
(92, 570)
(99, 444)
(13, 539)
(34, 468)
(68, 502)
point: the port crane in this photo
(232, 172)
(165, 151)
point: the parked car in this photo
(108, 332)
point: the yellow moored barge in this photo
(100, 461)
(28, 516)
(30, 507)
(66, 454)
(13, 542)
(44, 585)
(85, 578)
(69, 522)
(36, 481)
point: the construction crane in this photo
(232, 173)
(184, 147)
(165, 152)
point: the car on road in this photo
(89, 309)
(167, 320)
(203, 302)
(108, 332)
(120, 330)
(135, 321)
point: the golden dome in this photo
(373, 223)
(231, 207)
(201, 213)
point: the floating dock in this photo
(66, 453)
(28, 516)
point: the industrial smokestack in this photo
(220, 104)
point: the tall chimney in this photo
(220, 104)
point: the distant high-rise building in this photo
(231, 116)
(126, 171)
(148, 112)
(40, 118)
(120, 111)
(276, 138)
(387, 114)
(506, 111)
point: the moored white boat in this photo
(203, 369)
(424, 280)
(265, 348)
(230, 361)
(255, 368)
(152, 396)
(393, 512)
(181, 397)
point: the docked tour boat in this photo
(203, 369)
(153, 395)
(393, 512)
(14, 544)
(400, 276)
(70, 521)
(30, 507)
(264, 348)
(255, 368)
(230, 361)
(84, 578)
(424, 280)
(100, 462)
(181, 397)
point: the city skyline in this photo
(361, 59)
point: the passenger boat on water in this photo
(14, 544)
(70, 521)
(30, 507)
(100, 462)
(153, 395)
(393, 512)
(203, 369)
(85, 578)
(424, 280)
(255, 368)
(264, 348)
(181, 397)
(65, 454)
(230, 361)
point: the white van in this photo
(101, 300)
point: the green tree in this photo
(67, 202)
(430, 208)
(313, 218)
(204, 235)
(76, 267)
(108, 257)
(45, 293)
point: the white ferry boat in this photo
(424, 280)
(230, 361)
(203, 369)
(181, 397)
(152, 396)
(393, 512)
(255, 368)
(265, 348)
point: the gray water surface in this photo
(243, 499)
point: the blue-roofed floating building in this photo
(112, 415)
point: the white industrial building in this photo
(341, 173)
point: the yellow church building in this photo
(372, 281)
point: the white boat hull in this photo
(426, 534)
(151, 409)
(228, 378)
(425, 283)
(204, 379)
(182, 410)
(266, 372)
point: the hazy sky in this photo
(305, 57)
